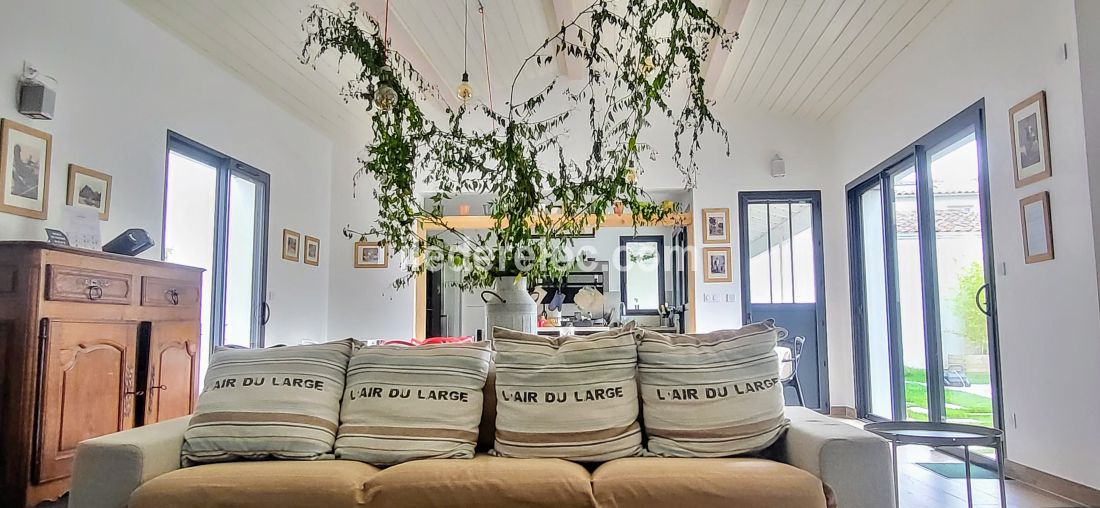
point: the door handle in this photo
(978, 299)
(265, 313)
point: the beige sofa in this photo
(818, 458)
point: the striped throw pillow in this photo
(568, 397)
(711, 395)
(405, 403)
(279, 402)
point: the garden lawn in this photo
(971, 407)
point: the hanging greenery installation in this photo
(643, 65)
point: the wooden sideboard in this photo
(90, 343)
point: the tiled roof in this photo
(948, 220)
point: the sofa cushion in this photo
(483, 482)
(279, 402)
(404, 403)
(640, 482)
(711, 395)
(566, 397)
(266, 484)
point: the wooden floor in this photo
(921, 488)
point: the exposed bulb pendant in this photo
(385, 97)
(465, 91)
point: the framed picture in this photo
(370, 255)
(1030, 140)
(716, 225)
(717, 264)
(89, 188)
(24, 170)
(1038, 237)
(291, 245)
(313, 251)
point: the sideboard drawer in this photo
(160, 292)
(72, 284)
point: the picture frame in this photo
(1036, 225)
(292, 243)
(371, 255)
(717, 264)
(24, 170)
(89, 188)
(1030, 140)
(716, 225)
(312, 253)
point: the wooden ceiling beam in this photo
(730, 18)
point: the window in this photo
(780, 248)
(215, 218)
(642, 274)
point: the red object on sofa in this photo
(430, 340)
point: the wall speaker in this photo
(779, 167)
(36, 100)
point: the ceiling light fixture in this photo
(465, 91)
(385, 97)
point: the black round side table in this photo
(939, 435)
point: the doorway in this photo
(782, 274)
(923, 299)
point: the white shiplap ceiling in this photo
(807, 58)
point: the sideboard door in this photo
(173, 370)
(87, 388)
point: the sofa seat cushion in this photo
(640, 482)
(267, 484)
(483, 482)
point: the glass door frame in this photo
(227, 167)
(813, 198)
(917, 156)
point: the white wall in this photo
(123, 83)
(1049, 324)
(362, 301)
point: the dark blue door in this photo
(781, 279)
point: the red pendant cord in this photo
(386, 30)
(485, 49)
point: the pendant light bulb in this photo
(631, 175)
(465, 91)
(385, 97)
(647, 66)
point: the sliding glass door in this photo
(922, 284)
(215, 217)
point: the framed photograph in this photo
(716, 262)
(1030, 140)
(24, 170)
(1038, 237)
(716, 225)
(291, 245)
(370, 255)
(313, 251)
(89, 188)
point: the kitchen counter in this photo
(556, 331)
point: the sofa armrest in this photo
(109, 468)
(855, 463)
